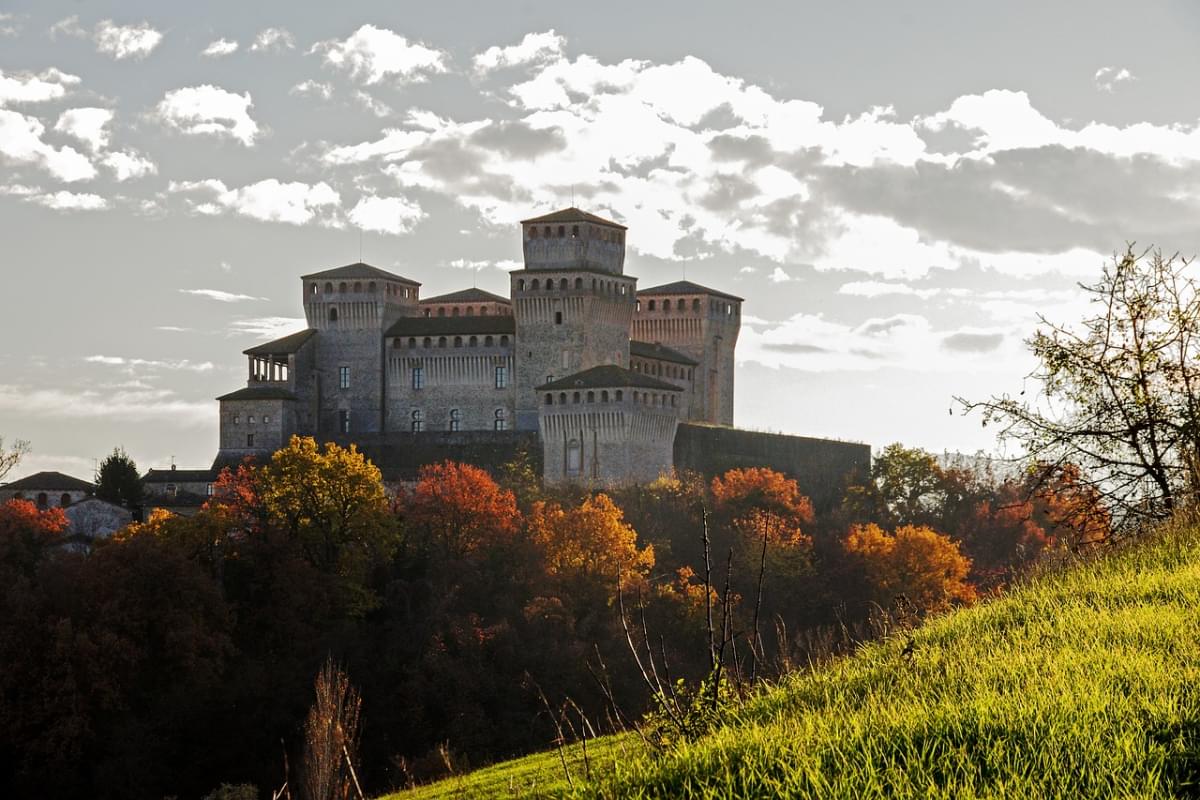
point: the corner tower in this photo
(701, 323)
(572, 302)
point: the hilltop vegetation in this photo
(1079, 683)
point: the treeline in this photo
(181, 654)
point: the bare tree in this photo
(1120, 392)
(12, 456)
(331, 737)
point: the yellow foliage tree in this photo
(915, 562)
(589, 542)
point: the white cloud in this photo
(269, 200)
(372, 54)
(376, 107)
(127, 164)
(220, 296)
(71, 201)
(884, 288)
(123, 405)
(67, 26)
(25, 87)
(88, 125)
(313, 88)
(779, 276)
(267, 327)
(19, 190)
(220, 47)
(209, 109)
(1108, 78)
(385, 214)
(273, 40)
(126, 41)
(506, 264)
(150, 363)
(21, 142)
(534, 48)
(8, 25)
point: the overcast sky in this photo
(897, 189)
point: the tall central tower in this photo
(572, 302)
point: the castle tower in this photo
(703, 324)
(572, 303)
(351, 307)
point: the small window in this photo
(574, 457)
(208, 489)
(579, 283)
(441, 311)
(521, 285)
(562, 231)
(532, 231)
(651, 306)
(429, 312)
(344, 420)
(483, 311)
(441, 341)
(455, 419)
(371, 287)
(342, 287)
(604, 396)
(504, 341)
(64, 500)
(562, 398)
(558, 318)
(549, 399)
(358, 287)
(575, 398)
(42, 500)
(535, 285)
(501, 377)
(454, 311)
(470, 311)
(566, 359)
(591, 397)
(488, 341)
(473, 341)
(427, 342)
(172, 489)
(237, 419)
(249, 440)
(546, 232)
(412, 342)
(696, 304)
(266, 419)
(500, 420)
(312, 289)
(329, 287)
(418, 377)
(458, 341)
(418, 421)
(249, 419)
(343, 377)
(333, 315)
(562, 284)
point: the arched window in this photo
(562, 398)
(562, 231)
(549, 399)
(455, 419)
(575, 397)
(546, 231)
(488, 341)
(42, 500)
(500, 420)
(454, 311)
(574, 231)
(329, 287)
(371, 287)
(427, 342)
(651, 306)
(358, 287)
(635, 397)
(591, 397)
(579, 283)
(470, 311)
(504, 341)
(312, 289)
(412, 342)
(441, 311)
(342, 287)
(441, 341)
(429, 312)
(418, 421)
(532, 231)
(458, 341)
(333, 315)
(64, 501)
(483, 311)
(604, 396)
(520, 284)
(562, 284)
(534, 286)
(474, 341)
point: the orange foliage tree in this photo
(458, 510)
(589, 543)
(915, 562)
(763, 505)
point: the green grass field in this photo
(1081, 683)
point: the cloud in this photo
(21, 143)
(273, 40)
(67, 26)
(150, 363)
(88, 125)
(71, 201)
(779, 276)
(8, 26)
(507, 264)
(267, 327)
(122, 404)
(25, 87)
(394, 215)
(883, 288)
(1108, 78)
(220, 296)
(127, 165)
(126, 41)
(964, 342)
(269, 200)
(220, 47)
(534, 48)
(311, 88)
(373, 54)
(209, 109)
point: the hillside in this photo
(1083, 683)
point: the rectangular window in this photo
(266, 419)
(558, 318)
(249, 440)
(566, 360)
(250, 419)
(208, 490)
(418, 377)
(344, 421)
(501, 377)
(343, 377)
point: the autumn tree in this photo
(764, 506)
(118, 481)
(458, 509)
(915, 563)
(1118, 394)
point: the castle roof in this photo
(657, 351)
(687, 287)
(360, 270)
(259, 393)
(49, 481)
(441, 326)
(173, 475)
(282, 347)
(573, 214)
(468, 296)
(608, 376)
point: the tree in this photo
(589, 543)
(1120, 393)
(763, 505)
(117, 480)
(331, 737)
(916, 563)
(457, 510)
(12, 456)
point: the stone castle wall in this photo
(458, 378)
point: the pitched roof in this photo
(468, 296)
(282, 347)
(50, 481)
(687, 287)
(442, 326)
(259, 393)
(178, 475)
(360, 270)
(607, 376)
(573, 214)
(656, 350)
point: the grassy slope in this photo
(1081, 684)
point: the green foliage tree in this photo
(1120, 392)
(117, 480)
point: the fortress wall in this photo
(819, 466)
(460, 378)
(400, 456)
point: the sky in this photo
(898, 190)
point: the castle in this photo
(615, 384)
